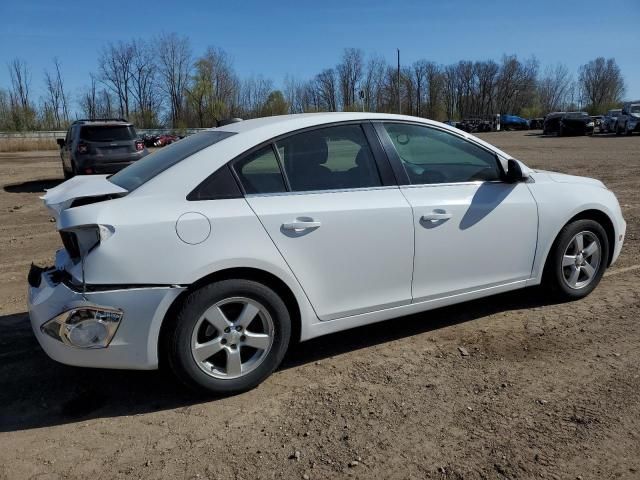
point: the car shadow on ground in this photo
(37, 392)
(33, 186)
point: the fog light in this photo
(89, 326)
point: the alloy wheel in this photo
(581, 260)
(232, 337)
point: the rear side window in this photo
(260, 172)
(430, 155)
(329, 158)
(107, 133)
(145, 169)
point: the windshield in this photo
(635, 108)
(145, 169)
(107, 133)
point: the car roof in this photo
(287, 123)
(254, 132)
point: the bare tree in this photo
(144, 84)
(56, 103)
(254, 95)
(116, 73)
(327, 90)
(22, 110)
(174, 55)
(553, 88)
(373, 82)
(602, 83)
(349, 72)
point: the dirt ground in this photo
(547, 391)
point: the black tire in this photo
(67, 174)
(618, 131)
(179, 335)
(554, 274)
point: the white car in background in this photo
(218, 251)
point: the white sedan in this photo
(215, 253)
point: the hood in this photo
(564, 178)
(61, 197)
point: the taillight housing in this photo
(139, 145)
(83, 148)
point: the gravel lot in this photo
(547, 390)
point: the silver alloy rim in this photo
(232, 337)
(581, 260)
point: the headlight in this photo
(590, 124)
(88, 326)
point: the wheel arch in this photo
(598, 216)
(244, 273)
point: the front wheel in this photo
(577, 260)
(229, 336)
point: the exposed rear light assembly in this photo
(83, 148)
(78, 242)
(139, 145)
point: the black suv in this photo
(100, 146)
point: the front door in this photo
(472, 230)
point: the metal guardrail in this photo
(62, 133)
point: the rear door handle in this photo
(299, 225)
(436, 216)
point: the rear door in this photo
(334, 212)
(472, 230)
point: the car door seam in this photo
(413, 224)
(283, 258)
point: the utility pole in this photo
(399, 101)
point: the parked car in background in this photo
(513, 122)
(552, 122)
(213, 254)
(100, 146)
(597, 121)
(608, 123)
(536, 123)
(568, 123)
(629, 119)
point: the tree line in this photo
(161, 82)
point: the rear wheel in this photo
(229, 336)
(577, 260)
(618, 131)
(67, 174)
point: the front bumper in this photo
(135, 343)
(622, 230)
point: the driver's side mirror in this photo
(514, 172)
(60, 142)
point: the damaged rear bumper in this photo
(134, 345)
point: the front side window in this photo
(260, 172)
(329, 158)
(430, 155)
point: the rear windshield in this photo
(107, 133)
(145, 169)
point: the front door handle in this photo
(436, 216)
(300, 225)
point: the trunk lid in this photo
(61, 197)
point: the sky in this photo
(301, 37)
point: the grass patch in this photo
(27, 144)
